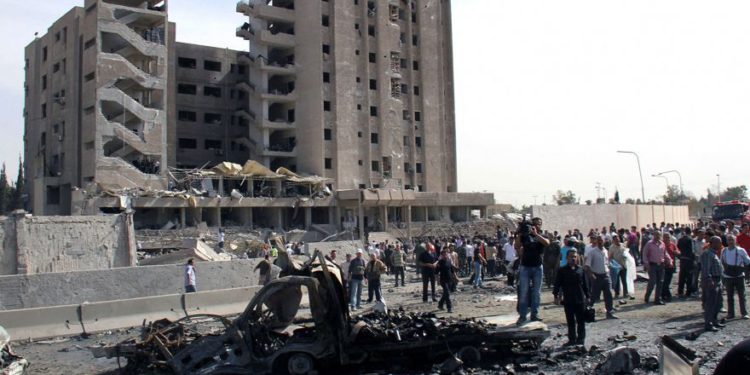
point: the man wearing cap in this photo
(357, 276)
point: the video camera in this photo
(524, 229)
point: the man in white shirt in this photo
(735, 260)
(597, 266)
(510, 252)
(469, 251)
(189, 277)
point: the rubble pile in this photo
(484, 227)
(161, 339)
(401, 326)
(10, 363)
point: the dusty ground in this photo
(681, 319)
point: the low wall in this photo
(72, 288)
(584, 217)
(40, 244)
(99, 316)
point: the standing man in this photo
(734, 259)
(669, 265)
(597, 266)
(445, 272)
(469, 250)
(479, 262)
(398, 260)
(569, 281)
(221, 239)
(654, 255)
(345, 272)
(190, 277)
(551, 257)
(373, 270)
(509, 256)
(711, 272)
(530, 248)
(743, 241)
(687, 264)
(492, 259)
(357, 276)
(617, 253)
(427, 262)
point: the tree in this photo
(735, 193)
(674, 195)
(20, 188)
(4, 191)
(616, 199)
(563, 198)
(630, 201)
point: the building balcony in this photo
(245, 32)
(279, 97)
(245, 58)
(278, 125)
(245, 86)
(249, 116)
(279, 153)
(265, 11)
(279, 39)
(276, 68)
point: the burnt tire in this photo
(470, 355)
(299, 364)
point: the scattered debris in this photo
(620, 360)
(280, 331)
(10, 363)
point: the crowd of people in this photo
(581, 271)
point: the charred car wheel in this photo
(300, 364)
(470, 355)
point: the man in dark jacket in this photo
(570, 290)
(687, 264)
(427, 262)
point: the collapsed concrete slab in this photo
(188, 249)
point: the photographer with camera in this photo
(530, 245)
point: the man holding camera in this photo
(530, 245)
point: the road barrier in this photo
(44, 322)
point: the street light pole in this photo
(664, 177)
(640, 174)
(678, 175)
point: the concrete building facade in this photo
(96, 102)
(357, 92)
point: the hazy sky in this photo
(546, 91)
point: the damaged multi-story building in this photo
(343, 108)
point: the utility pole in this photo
(718, 187)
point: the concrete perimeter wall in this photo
(40, 244)
(583, 217)
(72, 288)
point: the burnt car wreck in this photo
(300, 323)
